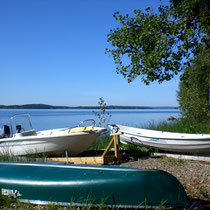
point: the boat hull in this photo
(166, 141)
(49, 143)
(81, 185)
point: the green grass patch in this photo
(5, 201)
(137, 151)
(182, 125)
(26, 158)
(4, 158)
(35, 157)
(101, 142)
(175, 162)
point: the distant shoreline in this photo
(45, 106)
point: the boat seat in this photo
(5, 131)
(79, 129)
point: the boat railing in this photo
(76, 129)
(94, 122)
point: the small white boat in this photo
(56, 141)
(166, 141)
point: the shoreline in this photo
(45, 106)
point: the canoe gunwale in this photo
(39, 202)
(68, 166)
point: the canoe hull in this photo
(167, 141)
(80, 185)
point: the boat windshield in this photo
(21, 123)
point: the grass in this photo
(35, 157)
(101, 142)
(175, 162)
(8, 203)
(5, 201)
(27, 158)
(137, 151)
(5, 157)
(182, 125)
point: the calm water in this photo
(59, 118)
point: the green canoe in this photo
(42, 183)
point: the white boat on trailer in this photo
(55, 141)
(166, 141)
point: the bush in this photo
(193, 94)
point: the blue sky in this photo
(52, 52)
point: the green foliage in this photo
(183, 125)
(5, 201)
(195, 13)
(103, 115)
(35, 157)
(101, 142)
(27, 158)
(137, 151)
(6, 157)
(154, 46)
(54, 206)
(194, 88)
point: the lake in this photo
(60, 118)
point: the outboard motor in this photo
(5, 131)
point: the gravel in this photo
(193, 175)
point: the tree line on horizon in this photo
(45, 106)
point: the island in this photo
(45, 106)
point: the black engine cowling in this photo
(5, 131)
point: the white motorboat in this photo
(56, 141)
(166, 141)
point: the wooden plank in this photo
(116, 147)
(108, 147)
(80, 160)
(98, 160)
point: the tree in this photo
(157, 47)
(193, 88)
